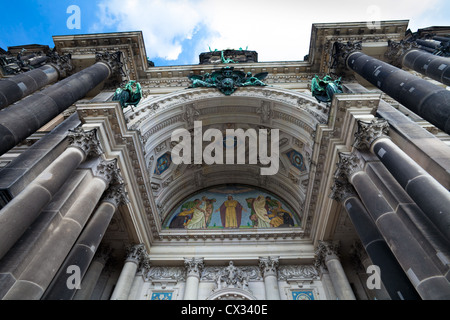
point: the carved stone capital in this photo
(342, 190)
(116, 194)
(369, 131)
(107, 170)
(194, 267)
(325, 251)
(348, 165)
(396, 51)
(341, 51)
(62, 63)
(135, 253)
(112, 59)
(144, 265)
(268, 266)
(86, 141)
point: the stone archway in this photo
(295, 114)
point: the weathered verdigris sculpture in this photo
(324, 89)
(131, 94)
(227, 80)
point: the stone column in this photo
(429, 101)
(397, 284)
(84, 249)
(14, 88)
(139, 279)
(35, 279)
(22, 119)
(430, 65)
(21, 211)
(423, 274)
(194, 268)
(134, 256)
(326, 255)
(427, 193)
(269, 270)
(92, 275)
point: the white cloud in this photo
(277, 30)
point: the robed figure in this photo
(231, 213)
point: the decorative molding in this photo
(368, 132)
(396, 50)
(297, 272)
(166, 274)
(112, 59)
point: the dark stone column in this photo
(394, 279)
(22, 119)
(84, 249)
(427, 193)
(420, 269)
(429, 101)
(15, 88)
(430, 65)
(20, 212)
(37, 276)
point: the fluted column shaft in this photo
(429, 101)
(269, 270)
(194, 269)
(423, 274)
(125, 281)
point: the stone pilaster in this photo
(135, 254)
(327, 255)
(194, 268)
(269, 270)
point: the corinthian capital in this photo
(62, 63)
(348, 165)
(369, 131)
(86, 141)
(341, 190)
(342, 50)
(135, 253)
(112, 59)
(268, 266)
(325, 250)
(396, 51)
(194, 266)
(116, 194)
(107, 170)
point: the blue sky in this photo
(177, 31)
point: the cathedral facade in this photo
(325, 178)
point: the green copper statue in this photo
(324, 89)
(227, 80)
(131, 94)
